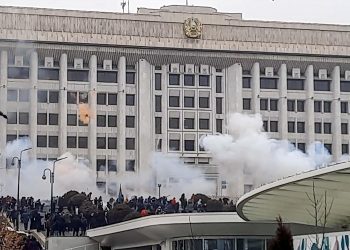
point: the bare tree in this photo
(320, 213)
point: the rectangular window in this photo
(246, 104)
(72, 120)
(71, 142)
(112, 121)
(174, 145)
(158, 103)
(204, 80)
(219, 105)
(41, 141)
(174, 123)
(265, 126)
(101, 121)
(291, 105)
(344, 128)
(246, 82)
(189, 80)
(174, 79)
(101, 165)
(18, 72)
(189, 102)
(218, 84)
(112, 99)
(130, 165)
(112, 166)
(301, 127)
(101, 142)
(112, 143)
(204, 102)
(344, 107)
(130, 100)
(189, 145)
(78, 75)
(53, 141)
(189, 123)
(83, 97)
(101, 98)
(295, 84)
(11, 117)
(23, 118)
(107, 76)
(322, 85)
(23, 95)
(83, 142)
(318, 106)
(48, 74)
(273, 126)
(274, 104)
(327, 128)
(158, 81)
(300, 106)
(345, 86)
(41, 118)
(53, 119)
(302, 147)
(268, 83)
(345, 149)
(130, 143)
(12, 95)
(174, 101)
(72, 97)
(291, 127)
(130, 77)
(53, 96)
(158, 125)
(264, 104)
(327, 107)
(318, 127)
(204, 124)
(42, 96)
(219, 126)
(130, 121)
(328, 147)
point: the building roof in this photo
(289, 197)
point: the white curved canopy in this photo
(289, 198)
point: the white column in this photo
(255, 84)
(63, 105)
(165, 80)
(234, 89)
(33, 100)
(121, 115)
(3, 105)
(166, 245)
(93, 112)
(145, 136)
(336, 124)
(283, 117)
(309, 104)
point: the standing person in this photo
(25, 219)
(76, 225)
(183, 201)
(83, 225)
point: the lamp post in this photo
(19, 163)
(159, 186)
(52, 179)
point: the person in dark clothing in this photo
(25, 219)
(76, 225)
(32, 244)
(83, 225)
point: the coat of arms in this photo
(193, 27)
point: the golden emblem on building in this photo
(193, 27)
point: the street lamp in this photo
(159, 186)
(19, 163)
(52, 178)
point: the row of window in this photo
(189, 80)
(111, 165)
(188, 102)
(188, 123)
(188, 145)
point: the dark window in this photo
(71, 119)
(291, 127)
(204, 102)
(72, 97)
(130, 100)
(112, 121)
(174, 123)
(345, 86)
(246, 82)
(10, 138)
(219, 84)
(53, 119)
(83, 97)
(71, 142)
(130, 165)
(107, 76)
(265, 125)
(219, 105)
(112, 99)
(273, 104)
(101, 121)
(302, 147)
(318, 127)
(53, 141)
(189, 145)
(112, 143)
(345, 149)
(130, 143)
(273, 126)
(295, 84)
(344, 128)
(101, 142)
(18, 73)
(301, 127)
(130, 121)
(204, 124)
(189, 80)
(83, 142)
(11, 117)
(48, 74)
(344, 107)
(174, 145)
(219, 125)
(101, 165)
(174, 79)
(23, 118)
(189, 102)
(158, 81)
(78, 75)
(12, 95)
(300, 106)
(130, 77)
(322, 85)
(189, 123)
(204, 80)
(291, 105)
(264, 104)
(246, 104)
(158, 103)
(53, 96)
(327, 128)
(268, 83)
(23, 95)
(41, 141)
(101, 98)
(112, 166)
(318, 106)
(327, 107)
(158, 125)
(328, 147)
(42, 96)
(174, 101)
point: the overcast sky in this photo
(319, 11)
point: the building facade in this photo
(160, 79)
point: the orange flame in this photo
(84, 113)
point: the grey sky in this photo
(319, 11)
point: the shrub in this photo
(214, 206)
(283, 239)
(118, 213)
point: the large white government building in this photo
(160, 79)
